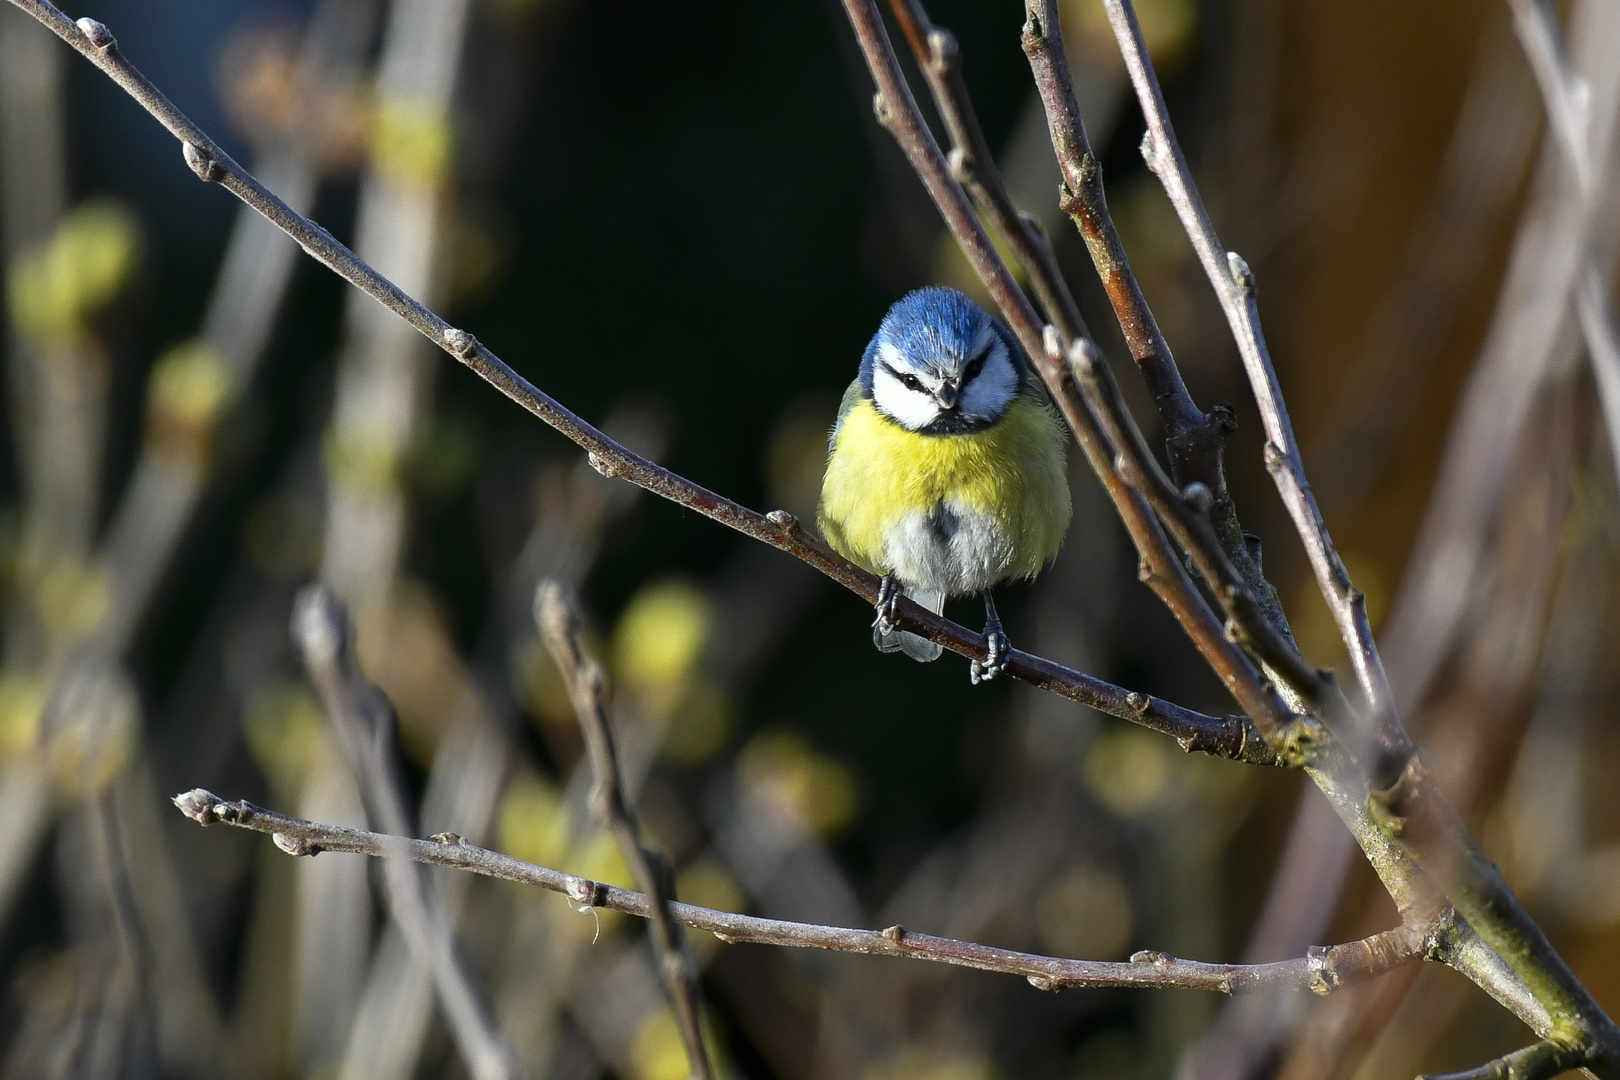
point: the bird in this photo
(946, 468)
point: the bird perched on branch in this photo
(946, 468)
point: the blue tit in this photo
(946, 470)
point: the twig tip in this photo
(318, 623)
(555, 609)
(198, 804)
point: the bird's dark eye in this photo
(974, 368)
(910, 382)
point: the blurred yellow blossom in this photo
(1128, 770)
(54, 290)
(73, 598)
(660, 638)
(411, 141)
(534, 822)
(1085, 913)
(22, 701)
(189, 387)
(285, 729)
(781, 771)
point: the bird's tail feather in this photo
(918, 648)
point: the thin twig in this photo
(1082, 198)
(972, 165)
(1541, 1061)
(1161, 567)
(1234, 286)
(1234, 737)
(364, 725)
(1195, 439)
(1322, 971)
(1569, 116)
(559, 619)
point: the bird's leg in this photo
(998, 648)
(888, 598)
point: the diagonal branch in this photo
(1161, 566)
(1322, 970)
(974, 168)
(1209, 531)
(1569, 114)
(557, 613)
(1234, 286)
(1413, 838)
(1234, 737)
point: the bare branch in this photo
(557, 613)
(364, 725)
(1233, 737)
(1541, 1061)
(974, 168)
(1161, 567)
(1234, 286)
(1322, 971)
(1082, 198)
(1569, 115)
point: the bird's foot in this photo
(888, 599)
(998, 650)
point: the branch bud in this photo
(1242, 276)
(460, 343)
(98, 34)
(207, 169)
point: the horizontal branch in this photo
(1233, 737)
(1321, 971)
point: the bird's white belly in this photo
(952, 550)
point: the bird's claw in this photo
(998, 650)
(888, 600)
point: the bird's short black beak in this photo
(947, 395)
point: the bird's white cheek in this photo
(909, 408)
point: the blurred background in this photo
(682, 222)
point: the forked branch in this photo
(1234, 737)
(1321, 971)
(1234, 286)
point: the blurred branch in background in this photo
(558, 616)
(365, 728)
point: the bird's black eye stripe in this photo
(974, 368)
(910, 382)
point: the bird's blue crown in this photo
(933, 328)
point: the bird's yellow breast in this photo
(879, 475)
